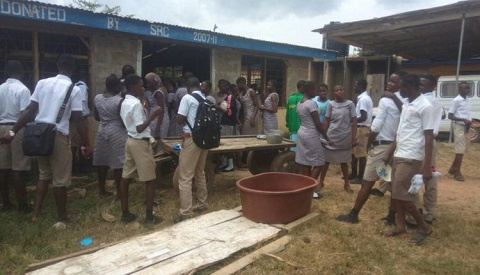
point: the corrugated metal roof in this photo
(98, 20)
(429, 34)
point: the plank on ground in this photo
(171, 249)
(125, 257)
(236, 266)
(228, 238)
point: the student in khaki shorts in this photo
(383, 132)
(413, 145)
(44, 105)
(460, 114)
(14, 98)
(364, 109)
(139, 160)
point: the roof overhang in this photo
(430, 34)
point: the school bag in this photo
(206, 128)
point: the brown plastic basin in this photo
(276, 197)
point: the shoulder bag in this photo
(39, 138)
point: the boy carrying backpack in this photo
(201, 131)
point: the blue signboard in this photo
(64, 15)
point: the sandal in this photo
(420, 236)
(459, 177)
(394, 232)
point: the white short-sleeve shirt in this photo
(14, 98)
(387, 119)
(133, 114)
(416, 117)
(437, 111)
(188, 108)
(365, 103)
(84, 92)
(461, 108)
(49, 94)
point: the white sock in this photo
(230, 164)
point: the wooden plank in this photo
(289, 227)
(48, 262)
(273, 247)
(227, 238)
(187, 245)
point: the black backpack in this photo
(206, 129)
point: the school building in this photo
(36, 33)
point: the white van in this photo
(446, 93)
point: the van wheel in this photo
(284, 162)
(259, 161)
(474, 134)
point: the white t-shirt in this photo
(437, 111)
(416, 117)
(49, 94)
(84, 92)
(461, 108)
(133, 114)
(387, 119)
(14, 98)
(188, 108)
(365, 103)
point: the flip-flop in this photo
(420, 236)
(394, 233)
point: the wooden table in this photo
(262, 156)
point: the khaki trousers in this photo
(430, 194)
(191, 165)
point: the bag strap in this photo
(200, 100)
(64, 104)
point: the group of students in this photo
(133, 114)
(401, 134)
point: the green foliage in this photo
(95, 6)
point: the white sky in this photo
(284, 21)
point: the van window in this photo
(447, 89)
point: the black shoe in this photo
(376, 192)
(389, 219)
(153, 219)
(200, 209)
(25, 208)
(6, 207)
(357, 180)
(352, 177)
(130, 217)
(350, 218)
(180, 218)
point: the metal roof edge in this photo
(34, 10)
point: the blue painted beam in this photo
(71, 16)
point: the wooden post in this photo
(36, 64)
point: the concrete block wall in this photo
(225, 64)
(108, 55)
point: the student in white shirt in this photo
(460, 114)
(45, 102)
(192, 158)
(364, 109)
(139, 161)
(78, 160)
(383, 133)
(14, 98)
(413, 147)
